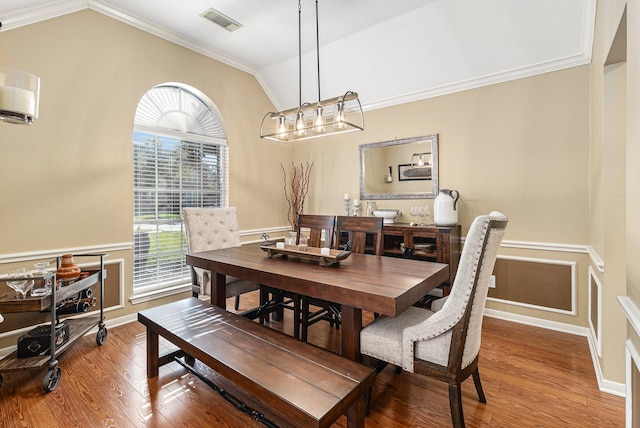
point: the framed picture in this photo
(413, 172)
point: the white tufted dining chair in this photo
(444, 342)
(214, 229)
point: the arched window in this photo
(179, 160)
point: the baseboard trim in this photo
(116, 322)
(538, 322)
(604, 385)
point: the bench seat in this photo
(301, 383)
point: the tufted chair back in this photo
(211, 229)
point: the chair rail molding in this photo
(53, 253)
(631, 311)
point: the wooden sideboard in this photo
(430, 243)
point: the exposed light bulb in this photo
(282, 128)
(319, 120)
(300, 124)
(340, 117)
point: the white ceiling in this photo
(389, 52)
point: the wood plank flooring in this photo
(532, 378)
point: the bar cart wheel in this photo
(52, 378)
(101, 337)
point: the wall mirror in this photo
(400, 169)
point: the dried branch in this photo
(295, 192)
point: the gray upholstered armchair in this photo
(444, 342)
(214, 229)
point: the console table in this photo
(430, 243)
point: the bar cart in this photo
(74, 297)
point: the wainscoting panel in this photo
(633, 386)
(540, 283)
(595, 305)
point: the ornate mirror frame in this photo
(390, 169)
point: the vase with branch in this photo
(296, 187)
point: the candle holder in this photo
(346, 204)
(356, 207)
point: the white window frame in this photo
(174, 113)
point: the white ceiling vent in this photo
(221, 19)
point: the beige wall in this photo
(615, 104)
(633, 151)
(521, 147)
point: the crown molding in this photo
(35, 14)
(109, 10)
(491, 79)
(56, 8)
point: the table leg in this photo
(153, 351)
(219, 290)
(355, 414)
(351, 326)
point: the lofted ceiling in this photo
(388, 52)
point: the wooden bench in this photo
(301, 383)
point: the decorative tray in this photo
(308, 253)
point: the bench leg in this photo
(190, 360)
(152, 353)
(355, 414)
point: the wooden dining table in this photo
(380, 284)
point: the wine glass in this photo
(414, 213)
(421, 215)
(427, 213)
(41, 268)
(46, 284)
(21, 286)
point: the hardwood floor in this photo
(532, 378)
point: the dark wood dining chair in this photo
(274, 300)
(355, 230)
(317, 226)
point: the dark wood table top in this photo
(384, 285)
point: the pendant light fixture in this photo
(19, 94)
(312, 120)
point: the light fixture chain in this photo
(299, 54)
(300, 123)
(318, 49)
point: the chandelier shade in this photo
(19, 96)
(338, 115)
(312, 120)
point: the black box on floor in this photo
(38, 341)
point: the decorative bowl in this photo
(388, 215)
